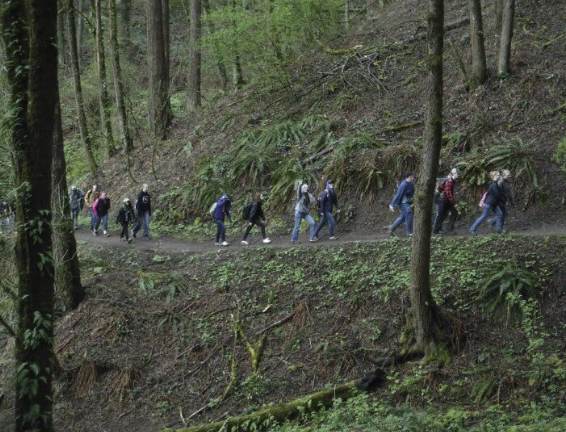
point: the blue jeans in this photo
(143, 219)
(75, 217)
(498, 218)
(92, 218)
(298, 217)
(104, 220)
(327, 217)
(406, 216)
(220, 231)
(504, 211)
(5, 220)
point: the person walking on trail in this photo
(490, 202)
(100, 209)
(506, 197)
(143, 210)
(125, 218)
(220, 212)
(302, 211)
(91, 196)
(76, 197)
(403, 199)
(328, 201)
(256, 217)
(5, 215)
(446, 203)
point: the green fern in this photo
(474, 166)
(400, 159)
(485, 389)
(517, 156)
(284, 183)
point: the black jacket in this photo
(328, 200)
(493, 194)
(506, 192)
(256, 212)
(143, 204)
(125, 215)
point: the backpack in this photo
(482, 201)
(212, 209)
(246, 212)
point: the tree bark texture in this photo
(237, 75)
(81, 115)
(216, 50)
(498, 17)
(506, 37)
(125, 12)
(104, 99)
(29, 29)
(118, 83)
(80, 31)
(479, 66)
(67, 271)
(194, 78)
(422, 303)
(61, 34)
(158, 104)
(166, 40)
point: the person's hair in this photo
(408, 174)
(493, 174)
(506, 172)
(258, 196)
(145, 185)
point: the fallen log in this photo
(264, 419)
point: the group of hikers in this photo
(98, 205)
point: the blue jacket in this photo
(223, 207)
(404, 194)
(328, 200)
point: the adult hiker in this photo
(100, 209)
(403, 199)
(302, 211)
(256, 217)
(490, 201)
(446, 203)
(143, 210)
(91, 196)
(328, 201)
(5, 215)
(220, 212)
(506, 197)
(76, 197)
(125, 218)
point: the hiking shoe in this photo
(267, 240)
(133, 233)
(216, 244)
(224, 243)
(122, 239)
(106, 234)
(409, 235)
(314, 240)
(472, 232)
(130, 241)
(332, 238)
(293, 242)
(244, 242)
(146, 238)
(95, 233)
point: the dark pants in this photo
(443, 210)
(259, 223)
(220, 231)
(406, 216)
(125, 230)
(327, 217)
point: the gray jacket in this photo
(303, 201)
(506, 192)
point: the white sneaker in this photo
(314, 239)
(332, 238)
(224, 243)
(216, 244)
(267, 240)
(244, 242)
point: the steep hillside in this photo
(353, 111)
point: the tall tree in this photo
(103, 98)
(125, 12)
(216, 49)
(118, 83)
(194, 78)
(81, 115)
(506, 37)
(61, 34)
(498, 16)
(479, 66)
(237, 75)
(166, 40)
(67, 271)
(29, 30)
(158, 104)
(423, 312)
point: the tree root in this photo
(264, 419)
(396, 360)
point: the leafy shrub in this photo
(517, 156)
(211, 180)
(474, 166)
(284, 182)
(400, 159)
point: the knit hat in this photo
(126, 200)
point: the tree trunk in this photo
(61, 34)
(424, 320)
(67, 271)
(498, 17)
(479, 67)
(506, 37)
(104, 99)
(31, 51)
(166, 41)
(158, 104)
(118, 84)
(194, 78)
(216, 50)
(125, 11)
(79, 32)
(81, 115)
(237, 75)
(347, 14)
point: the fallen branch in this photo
(264, 419)
(395, 360)
(276, 324)
(402, 127)
(422, 36)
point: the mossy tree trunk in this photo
(423, 319)
(61, 34)
(118, 83)
(103, 98)
(237, 74)
(194, 78)
(158, 104)
(29, 30)
(67, 271)
(81, 115)
(479, 66)
(125, 13)
(216, 49)
(498, 17)
(506, 37)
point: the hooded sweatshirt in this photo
(223, 207)
(328, 199)
(404, 194)
(101, 207)
(143, 204)
(76, 197)
(304, 199)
